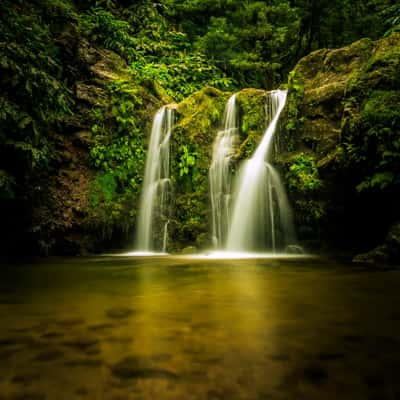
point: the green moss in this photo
(249, 145)
(190, 221)
(108, 210)
(295, 96)
(200, 112)
(251, 104)
(199, 118)
(382, 107)
(381, 70)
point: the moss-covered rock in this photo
(343, 113)
(199, 117)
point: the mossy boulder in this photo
(343, 114)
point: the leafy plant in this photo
(29, 70)
(104, 28)
(303, 174)
(118, 155)
(187, 160)
(371, 142)
(293, 117)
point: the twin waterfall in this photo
(261, 217)
(154, 210)
(250, 213)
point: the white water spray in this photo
(152, 233)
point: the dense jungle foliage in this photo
(168, 49)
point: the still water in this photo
(124, 328)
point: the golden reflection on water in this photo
(185, 328)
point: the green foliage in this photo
(295, 96)
(104, 28)
(305, 185)
(187, 161)
(192, 217)
(303, 174)
(258, 42)
(372, 140)
(185, 45)
(248, 146)
(30, 70)
(391, 15)
(118, 155)
(181, 74)
(380, 180)
(245, 38)
(109, 207)
(309, 211)
(158, 54)
(103, 190)
(336, 23)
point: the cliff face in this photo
(342, 144)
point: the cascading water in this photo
(261, 213)
(151, 234)
(220, 175)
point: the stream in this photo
(186, 328)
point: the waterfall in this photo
(220, 175)
(151, 234)
(261, 213)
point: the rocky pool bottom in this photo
(124, 328)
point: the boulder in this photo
(340, 145)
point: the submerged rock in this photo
(138, 368)
(120, 313)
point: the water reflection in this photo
(186, 328)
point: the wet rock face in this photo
(341, 115)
